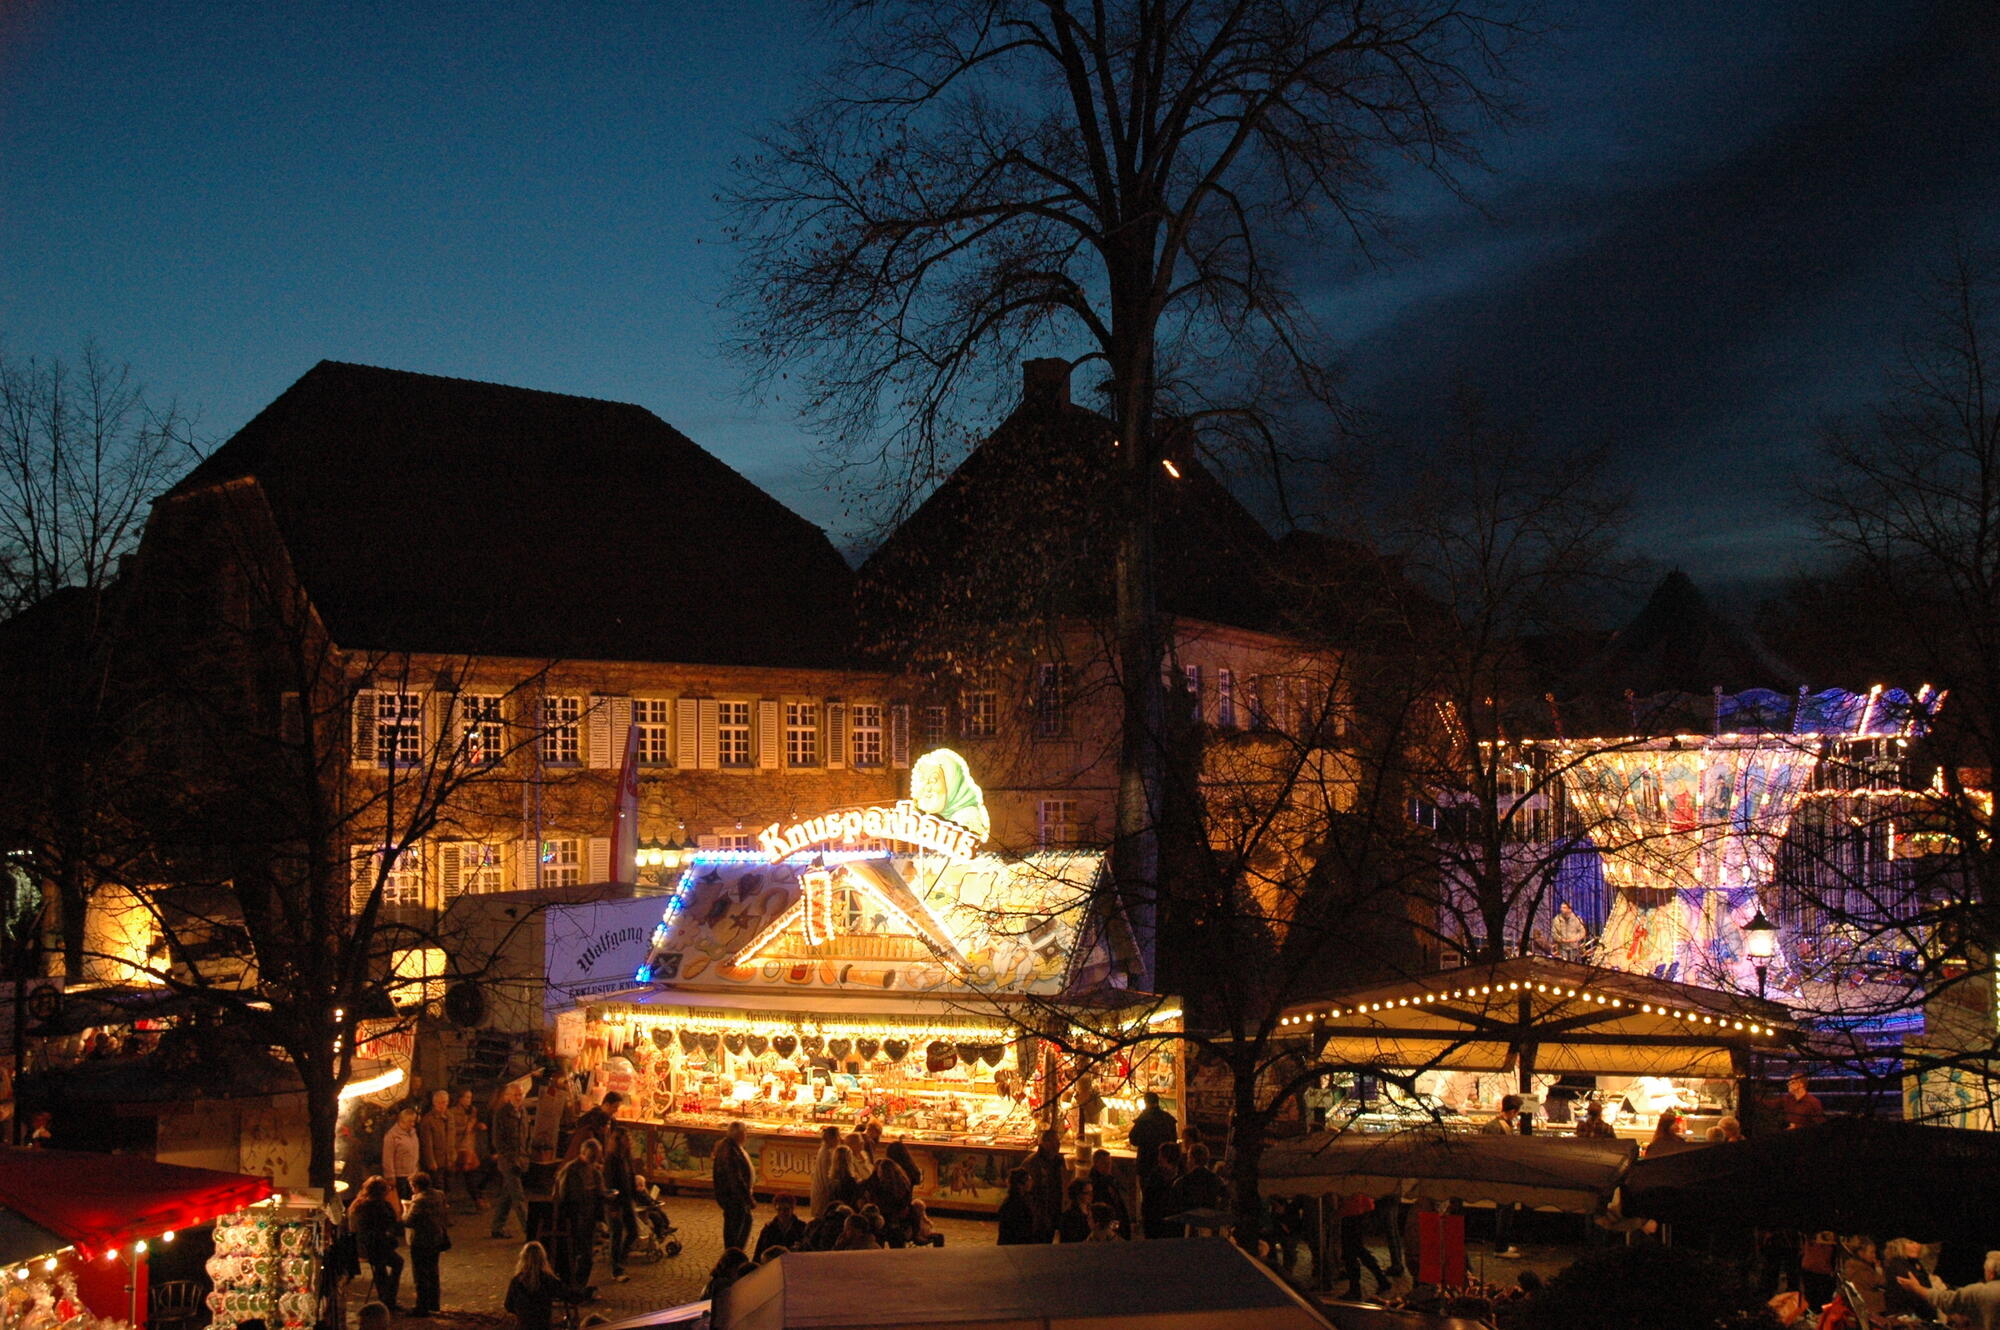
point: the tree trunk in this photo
(1247, 1127)
(1135, 847)
(73, 908)
(322, 1118)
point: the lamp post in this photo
(1760, 944)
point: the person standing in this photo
(509, 1138)
(465, 1164)
(1017, 1214)
(1156, 1193)
(1594, 1127)
(402, 1152)
(532, 1293)
(1153, 1128)
(785, 1229)
(554, 1115)
(1568, 933)
(733, 1178)
(1107, 1188)
(822, 1174)
(434, 1137)
(1048, 1184)
(376, 1221)
(595, 1125)
(1802, 1107)
(1978, 1304)
(621, 1181)
(1073, 1225)
(428, 1217)
(1354, 1253)
(579, 1204)
(1200, 1187)
(1507, 1122)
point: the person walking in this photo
(621, 1181)
(822, 1172)
(428, 1217)
(434, 1136)
(733, 1178)
(509, 1139)
(532, 1293)
(402, 1152)
(376, 1220)
(1048, 1183)
(1354, 1253)
(579, 1205)
(465, 1164)
(1017, 1214)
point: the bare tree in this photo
(985, 177)
(83, 452)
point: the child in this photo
(921, 1232)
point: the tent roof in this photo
(94, 1201)
(1577, 1176)
(1190, 1284)
(1575, 1018)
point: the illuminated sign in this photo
(945, 814)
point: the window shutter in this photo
(451, 871)
(362, 749)
(770, 735)
(711, 753)
(686, 729)
(621, 729)
(899, 736)
(436, 710)
(708, 842)
(361, 868)
(528, 864)
(836, 734)
(600, 859)
(599, 732)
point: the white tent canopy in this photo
(1545, 1173)
(1191, 1284)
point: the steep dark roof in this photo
(1679, 643)
(1023, 530)
(436, 514)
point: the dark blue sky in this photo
(1707, 237)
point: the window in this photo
(1253, 702)
(467, 866)
(801, 734)
(982, 714)
(865, 731)
(1055, 824)
(481, 730)
(399, 728)
(732, 734)
(730, 838)
(561, 717)
(561, 864)
(934, 721)
(402, 885)
(651, 716)
(1191, 680)
(1225, 699)
(1051, 701)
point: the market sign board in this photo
(945, 814)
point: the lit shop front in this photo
(872, 965)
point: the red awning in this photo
(96, 1201)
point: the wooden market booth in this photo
(1519, 1025)
(828, 987)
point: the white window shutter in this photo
(599, 731)
(710, 744)
(687, 728)
(600, 859)
(362, 750)
(770, 735)
(527, 866)
(621, 729)
(361, 870)
(708, 842)
(899, 736)
(836, 734)
(451, 871)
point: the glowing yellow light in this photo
(140, 1246)
(168, 1236)
(110, 1253)
(49, 1265)
(1172, 470)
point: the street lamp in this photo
(1760, 944)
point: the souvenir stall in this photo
(1531, 1024)
(267, 1266)
(872, 966)
(76, 1230)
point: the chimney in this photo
(1045, 383)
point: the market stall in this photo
(103, 1213)
(1522, 1026)
(901, 983)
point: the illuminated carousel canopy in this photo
(1560, 1017)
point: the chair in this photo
(174, 1305)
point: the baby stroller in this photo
(657, 1238)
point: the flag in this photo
(625, 834)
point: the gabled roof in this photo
(1023, 532)
(443, 515)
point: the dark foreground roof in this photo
(435, 514)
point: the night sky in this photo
(1708, 235)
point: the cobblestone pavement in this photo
(474, 1273)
